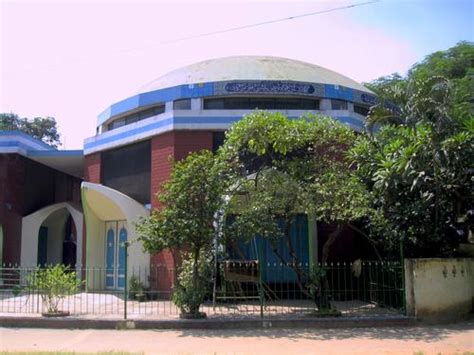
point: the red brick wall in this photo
(91, 174)
(176, 145)
(92, 168)
(11, 205)
(25, 187)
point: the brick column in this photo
(176, 145)
(92, 168)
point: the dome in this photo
(251, 68)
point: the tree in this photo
(283, 167)
(186, 223)
(420, 169)
(455, 64)
(42, 128)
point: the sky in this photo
(72, 59)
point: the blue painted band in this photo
(26, 136)
(209, 89)
(55, 153)
(14, 144)
(169, 122)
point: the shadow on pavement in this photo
(427, 333)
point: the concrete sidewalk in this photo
(421, 339)
(115, 322)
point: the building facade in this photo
(187, 110)
(41, 218)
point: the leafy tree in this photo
(455, 64)
(186, 222)
(419, 170)
(283, 167)
(42, 128)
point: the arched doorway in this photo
(110, 217)
(52, 235)
(57, 240)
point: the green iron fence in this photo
(243, 288)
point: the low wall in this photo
(439, 289)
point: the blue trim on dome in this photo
(156, 97)
(218, 88)
(338, 92)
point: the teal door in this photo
(115, 237)
(110, 258)
(121, 257)
(42, 246)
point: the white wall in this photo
(30, 227)
(439, 289)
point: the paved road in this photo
(446, 339)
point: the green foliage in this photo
(190, 200)
(42, 128)
(53, 284)
(137, 288)
(420, 171)
(281, 168)
(455, 64)
(190, 291)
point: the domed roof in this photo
(251, 68)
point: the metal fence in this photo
(240, 289)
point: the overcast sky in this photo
(72, 59)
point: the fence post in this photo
(402, 267)
(125, 289)
(260, 290)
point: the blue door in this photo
(110, 258)
(121, 257)
(115, 237)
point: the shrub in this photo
(53, 284)
(190, 292)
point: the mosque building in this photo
(186, 110)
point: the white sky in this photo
(71, 60)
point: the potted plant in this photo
(53, 284)
(137, 289)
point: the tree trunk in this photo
(295, 260)
(324, 302)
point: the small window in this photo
(184, 104)
(361, 110)
(217, 140)
(262, 103)
(235, 103)
(214, 104)
(338, 105)
(116, 124)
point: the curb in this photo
(320, 323)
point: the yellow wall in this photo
(102, 204)
(439, 288)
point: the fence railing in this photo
(361, 288)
